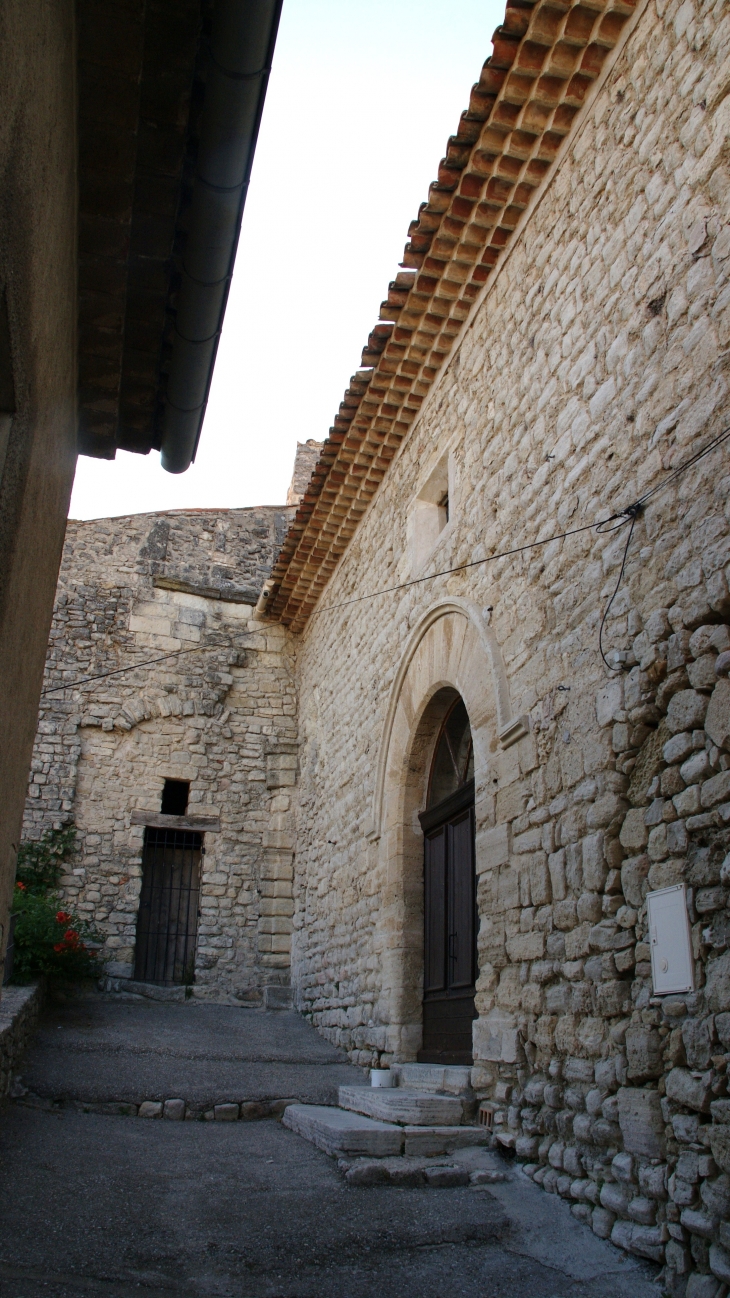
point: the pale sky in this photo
(361, 102)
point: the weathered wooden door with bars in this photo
(450, 916)
(167, 923)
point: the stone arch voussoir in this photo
(451, 649)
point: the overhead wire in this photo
(149, 662)
(619, 519)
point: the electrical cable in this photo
(637, 509)
(619, 519)
(149, 662)
(461, 567)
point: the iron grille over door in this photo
(167, 923)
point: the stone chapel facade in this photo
(555, 346)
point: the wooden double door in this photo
(450, 929)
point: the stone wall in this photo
(595, 364)
(19, 1012)
(306, 457)
(220, 714)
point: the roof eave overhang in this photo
(547, 57)
(170, 102)
(239, 62)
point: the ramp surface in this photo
(102, 1049)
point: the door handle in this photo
(453, 946)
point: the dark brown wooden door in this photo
(167, 923)
(449, 930)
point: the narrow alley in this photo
(96, 1202)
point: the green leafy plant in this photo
(40, 861)
(48, 939)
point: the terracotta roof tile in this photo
(545, 56)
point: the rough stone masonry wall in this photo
(136, 588)
(19, 1013)
(597, 362)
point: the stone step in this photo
(472, 1165)
(341, 1132)
(401, 1104)
(427, 1142)
(346, 1134)
(434, 1078)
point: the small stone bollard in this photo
(150, 1109)
(174, 1110)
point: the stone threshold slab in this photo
(439, 1173)
(402, 1105)
(344, 1133)
(441, 1079)
(427, 1142)
(337, 1131)
(271, 997)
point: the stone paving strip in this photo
(174, 1110)
(471, 1166)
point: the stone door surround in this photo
(451, 650)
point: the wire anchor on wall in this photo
(631, 513)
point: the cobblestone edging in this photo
(19, 1010)
(471, 1167)
(173, 1110)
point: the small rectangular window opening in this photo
(175, 797)
(429, 513)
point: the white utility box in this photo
(670, 941)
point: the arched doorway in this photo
(451, 653)
(450, 916)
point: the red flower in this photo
(62, 917)
(20, 885)
(59, 946)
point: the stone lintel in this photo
(155, 820)
(207, 592)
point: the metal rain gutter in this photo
(239, 62)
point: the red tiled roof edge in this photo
(545, 57)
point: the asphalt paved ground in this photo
(117, 1207)
(102, 1048)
